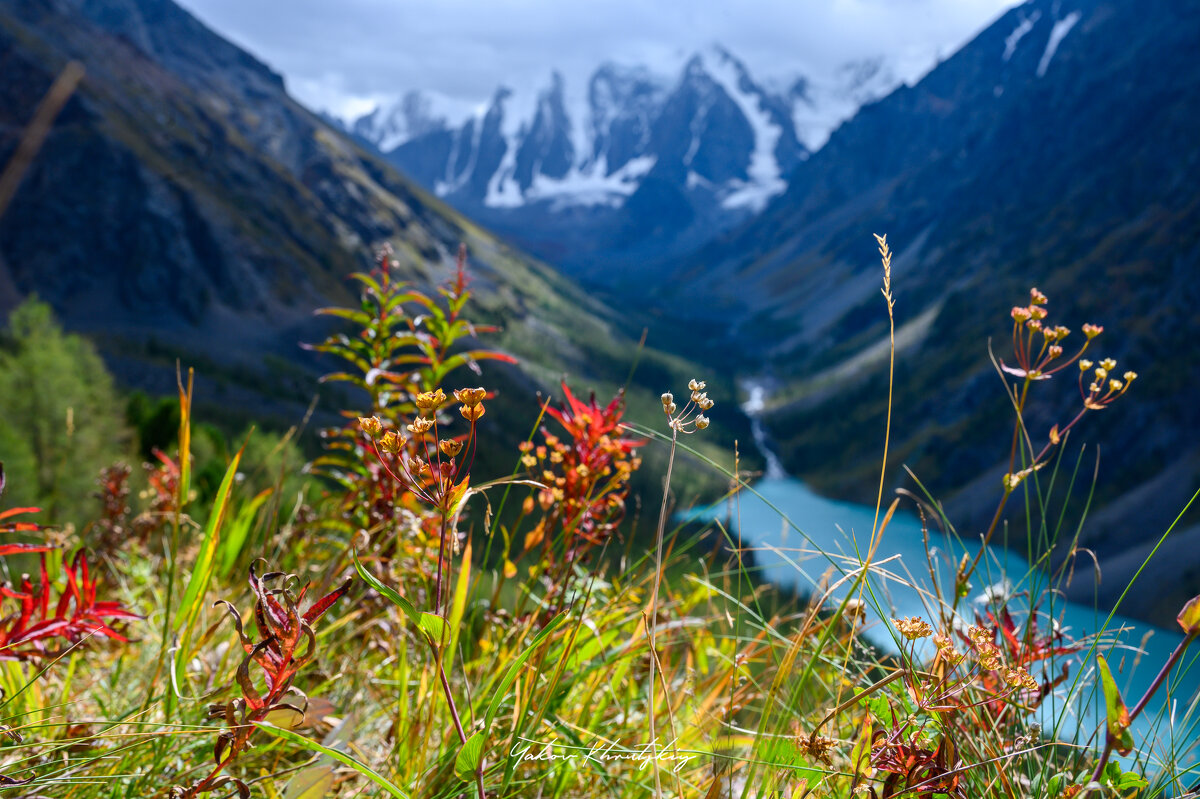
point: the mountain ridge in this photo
(568, 176)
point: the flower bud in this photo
(430, 400)
(420, 426)
(370, 425)
(391, 442)
(470, 396)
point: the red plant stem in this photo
(1110, 741)
(437, 590)
(1162, 675)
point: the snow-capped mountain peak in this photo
(820, 106)
(416, 114)
(723, 140)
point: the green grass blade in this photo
(231, 545)
(205, 565)
(511, 674)
(361, 768)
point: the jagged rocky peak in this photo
(416, 114)
(711, 129)
(570, 168)
(623, 103)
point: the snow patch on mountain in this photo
(820, 106)
(765, 177)
(450, 183)
(1024, 26)
(1057, 34)
(591, 186)
(516, 114)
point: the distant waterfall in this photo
(755, 402)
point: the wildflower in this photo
(989, 657)
(1109, 364)
(817, 747)
(420, 426)
(450, 446)
(472, 413)
(701, 422)
(1115, 385)
(1055, 351)
(1091, 331)
(1130, 377)
(695, 385)
(1014, 676)
(470, 396)
(391, 442)
(370, 425)
(430, 400)
(667, 399)
(945, 646)
(913, 628)
(1038, 313)
(1036, 297)
(980, 636)
(1084, 364)
(1020, 314)
(669, 409)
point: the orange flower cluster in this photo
(584, 473)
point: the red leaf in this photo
(17, 512)
(12, 549)
(323, 604)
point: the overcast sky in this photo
(344, 56)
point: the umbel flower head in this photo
(691, 418)
(913, 628)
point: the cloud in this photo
(346, 56)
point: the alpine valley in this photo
(1056, 149)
